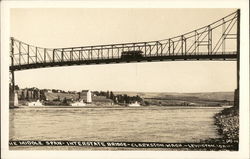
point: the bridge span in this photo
(219, 40)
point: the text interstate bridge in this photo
(217, 41)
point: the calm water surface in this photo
(152, 124)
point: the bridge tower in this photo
(237, 91)
(11, 76)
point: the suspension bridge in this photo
(219, 40)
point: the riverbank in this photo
(116, 106)
(227, 122)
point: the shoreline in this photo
(125, 107)
(227, 122)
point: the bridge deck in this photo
(228, 57)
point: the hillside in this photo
(204, 95)
(167, 99)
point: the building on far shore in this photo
(89, 97)
(88, 94)
(16, 99)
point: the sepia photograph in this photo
(124, 79)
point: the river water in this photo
(151, 124)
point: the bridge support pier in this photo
(237, 91)
(12, 89)
(236, 98)
(11, 76)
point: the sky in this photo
(55, 28)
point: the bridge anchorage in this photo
(217, 41)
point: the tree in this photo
(27, 94)
(16, 87)
(111, 96)
(42, 95)
(65, 100)
(138, 98)
(126, 98)
(107, 94)
(79, 95)
(35, 94)
(22, 96)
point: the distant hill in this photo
(229, 96)
(204, 98)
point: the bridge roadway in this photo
(229, 56)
